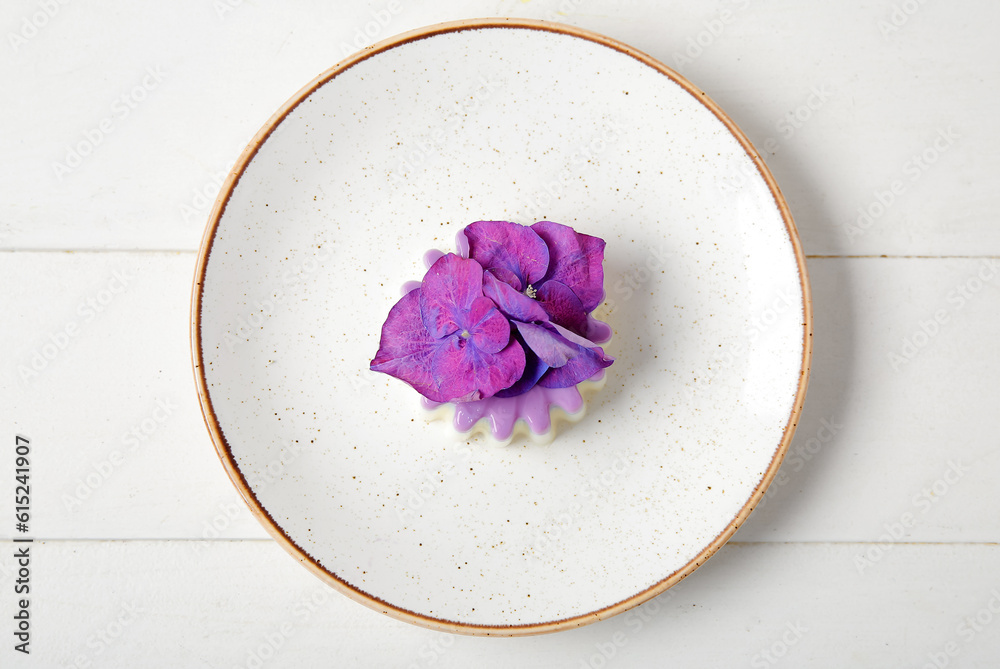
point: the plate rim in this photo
(222, 447)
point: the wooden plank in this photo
(101, 382)
(900, 113)
(248, 604)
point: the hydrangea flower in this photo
(512, 315)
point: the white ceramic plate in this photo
(388, 154)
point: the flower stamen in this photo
(531, 292)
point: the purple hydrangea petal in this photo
(504, 245)
(488, 330)
(533, 370)
(448, 290)
(572, 336)
(552, 348)
(584, 365)
(507, 277)
(576, 260)
(503, 369)
(588, 360)
(563, 306)
(406, 348)
(512, 303)
(466, 374)
(450, 364)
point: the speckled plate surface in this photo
(329, 211)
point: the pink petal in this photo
(573, 337)
(447, 292)
(451, 365)
(514, 304)
(584, 365)
(507, 277)
(406, 348)
(504, 245)
(563, 306)
(489, 330)
(550, 347)
(576, 260)
(571, 358)
(587, 361)
(465, 373)
(533, 370)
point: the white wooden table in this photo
(876, 546)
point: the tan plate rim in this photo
(222, 447)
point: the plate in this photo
(330, 210)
